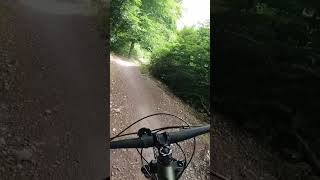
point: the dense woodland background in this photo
(146, 30)
(267, 72)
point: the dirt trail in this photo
(61, 127)
(134, 95)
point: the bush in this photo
(185, 66)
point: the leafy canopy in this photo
(151, 23)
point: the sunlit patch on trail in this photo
(124, 63)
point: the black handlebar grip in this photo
(188, 133)
(143, 142)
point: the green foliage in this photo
(149, 23)
(147, 29)
(263, 8)
(184, 66)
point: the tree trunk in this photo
(131, 48)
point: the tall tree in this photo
(147, 22)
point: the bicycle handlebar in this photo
(152, 140)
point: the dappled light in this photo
(124, 63)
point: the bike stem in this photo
(166, 167)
